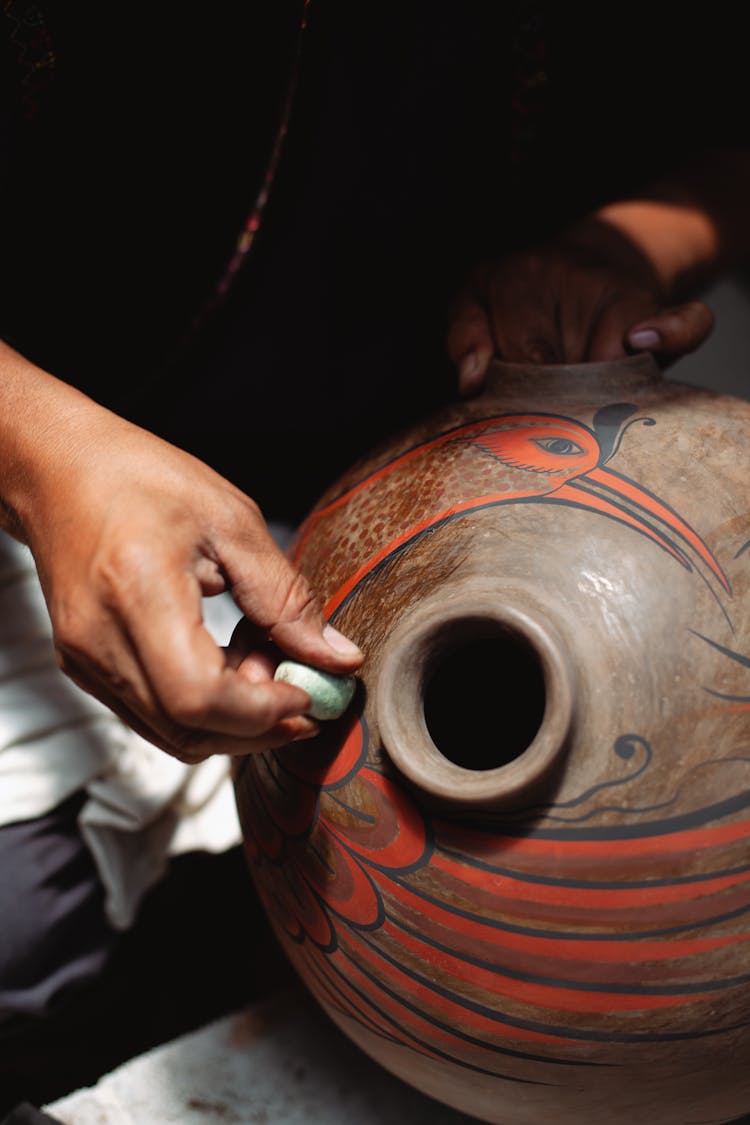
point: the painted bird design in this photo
(568, 460)
(547, 458)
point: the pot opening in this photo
(484, 694)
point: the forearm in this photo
(39, 416)
(693, 225)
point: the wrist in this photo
(598, 245)
(680, 242)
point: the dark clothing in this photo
(26, 1114)
(423, 136)
(54, 936)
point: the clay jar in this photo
(517, 872)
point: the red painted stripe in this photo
(405, 1017)
(606, 950)
(451, 1010)
(480, 426)
(649, 503)
(408, 844)
(349, 890)
(291, 818)
(504, 849)
(295, 904)
(555, 997)
(367, 1010)
(351, 583)
(565, 492)
(583, 499)
(335, 989)
(517, 890)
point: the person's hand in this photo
(590, 294)
(128, 533)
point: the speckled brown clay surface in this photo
(517, 872)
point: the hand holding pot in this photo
(615, 282)
(588, 295)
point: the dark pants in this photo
(54, 936)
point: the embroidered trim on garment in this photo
(35, 53)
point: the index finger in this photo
(469, 340)
(190, 677)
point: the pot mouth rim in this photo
(408, 656)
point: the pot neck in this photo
(619, 376)
(456, 676)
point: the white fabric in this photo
(143, 805)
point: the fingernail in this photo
(470, 372)
(644, 338)
(303, 735)
(299, 726)
(339, 643)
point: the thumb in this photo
(469, 341)
(673, 332)
(278, 600)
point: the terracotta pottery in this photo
(517, 871)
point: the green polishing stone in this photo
(330, 695)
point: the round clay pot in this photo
(517, 871)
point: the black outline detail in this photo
(575, 935)
(541, 811)
(728, 698)
(669, 508)
(591, 488)
(565, 985)
(658, 499)
(588, 884)
(548, 1029)
(326, 985)
(364, 817)
(548, 498)
(609, 429)
(459, 1035)
(697, 818)
(537, 813)
(491, 1048)
(736, 657)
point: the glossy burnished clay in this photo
(517, 871)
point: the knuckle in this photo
(240, 518)
(298, 600)
(542, 353)
(119, 568)
(190, 706)
(701, 314)
(180, 742)
(535, 347)
(265, 715)
(286, 595)
(187, 748)
(72, 630)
